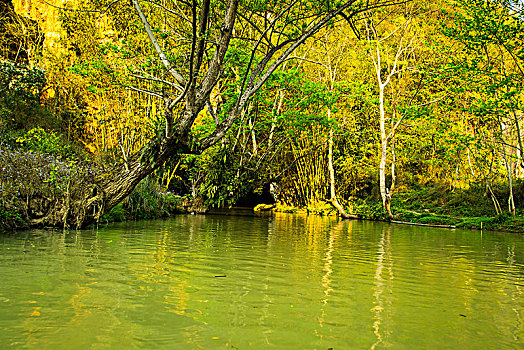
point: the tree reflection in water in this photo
(383, 288)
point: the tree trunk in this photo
(92, 194)
(384, 193)
(276, 112)
(511, 200)
(393, 158)
(333, 200)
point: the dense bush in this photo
(38, 140)
(33, 182)
(27, 181)
(148, 200)
(21, 88)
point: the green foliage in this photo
(38, 140)
(10, 216)
(371, 210)
(116, 214)
(23, 82)
(147, 201)
(220, 180)
(20, 90)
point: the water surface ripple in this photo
(249, 282)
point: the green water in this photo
(241, 282)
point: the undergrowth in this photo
(472, 208)
(148, 200)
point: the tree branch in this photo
(253, 86)
(152, 93)
(167, 64)
(215, 66)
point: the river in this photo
(261, 282)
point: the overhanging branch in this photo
(161, 55)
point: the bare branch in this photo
(262, 33)
(310, 61)
(273, 48)
(152, 93)
(156, 45)
(153, 78)
(169, 10)
(215, 66)
(81, 10)
(204, 18)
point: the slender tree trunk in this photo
(511, 200)
(382, 83)
(496, 204)
(276, 111)
(333, 200)
(393, 153)
(253, 137)
(384, 192)
(393, 165)
(456, 175)
(494, 199)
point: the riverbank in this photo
(471, 208)
(373, 212)
(436, 205)
(428, 205)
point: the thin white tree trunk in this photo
(384, 192)
(276, 110)
(253, 137)
(333, 200)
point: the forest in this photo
(384, 110)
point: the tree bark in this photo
(384, 193)
(333, 200)
(376, 57)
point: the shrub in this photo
(21, 88)
(38, 140)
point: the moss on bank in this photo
(433, 205)
(500, 222)
(471, 208)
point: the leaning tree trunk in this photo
(90, 194)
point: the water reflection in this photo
(383, 291)
(283, 282)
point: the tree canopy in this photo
(337, 102)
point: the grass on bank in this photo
(147, 201)
(435, 205)
(472, 208)
(440, 205)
